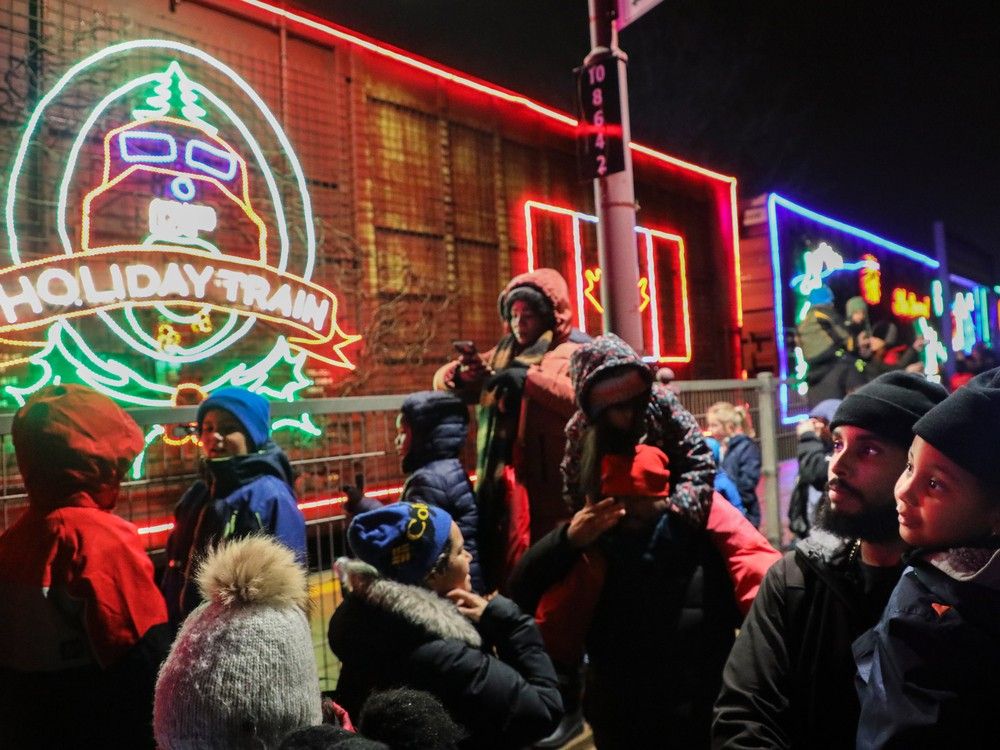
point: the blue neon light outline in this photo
(149, 135)
(187, 182)
(859, 233)
(773, 200)
(207, 168)
(967, 283)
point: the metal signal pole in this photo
(614, 193)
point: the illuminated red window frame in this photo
(646, 237)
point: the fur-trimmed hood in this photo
(826, 548)
(549, 282)
(979, 565)
(405, 607)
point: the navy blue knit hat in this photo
(252, 411)
(402, 541)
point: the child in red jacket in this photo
(82, 624)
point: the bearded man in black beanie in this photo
(789, 680)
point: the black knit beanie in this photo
(890, 405)
(962, 426)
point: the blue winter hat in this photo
(402, 541)
(821, 296)
(825, 409)
(252, 411)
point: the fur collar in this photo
(415, 605)
(969, 565)
(825, 547)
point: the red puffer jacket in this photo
(82, 624)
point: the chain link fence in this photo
(335, 442)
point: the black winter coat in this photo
(388, 634)
(789, 681)
(742, 464)
(440, 425)
(929, 672)
(660, 633)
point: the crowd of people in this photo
(606, 565)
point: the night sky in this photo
(885, 117)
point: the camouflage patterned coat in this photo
(669, 426)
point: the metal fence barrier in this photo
(333, 442)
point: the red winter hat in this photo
(644, 473)
(72, 443)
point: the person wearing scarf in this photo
(524, 397)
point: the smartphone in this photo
(466, 349)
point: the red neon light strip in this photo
(460, 79)
(577, 217)
(308, 504)
(737, 267)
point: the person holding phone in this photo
(524, 399)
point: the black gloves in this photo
(509, 381)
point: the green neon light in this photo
(137, 465)
(254, 378)
(21, 395)
(174, 91)
(303, 423)
(984, 315)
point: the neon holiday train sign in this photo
(220, 249)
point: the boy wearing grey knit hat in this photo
(791, 671)
(242, 672)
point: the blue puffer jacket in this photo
(742, 464)
(724, 484)
(238, 496)
(440, 424)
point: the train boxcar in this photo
(363, 205)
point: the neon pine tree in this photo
(174, 92)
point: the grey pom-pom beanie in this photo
(242, 672)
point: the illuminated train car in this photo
(788, 250)
(271, 200)
(229, 192)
